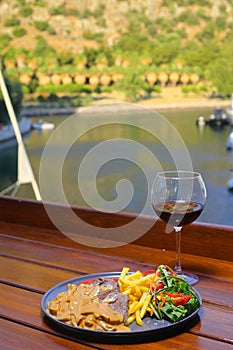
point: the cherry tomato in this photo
(159, 285)
(178, 299)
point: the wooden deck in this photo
(35, 256)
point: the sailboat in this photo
(25, 173)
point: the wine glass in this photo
(178, 198)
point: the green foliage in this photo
(69, 88)
(26, 11)
(39, 3)
(41, 25)
(99, 37)
(11, 22)
(98, 14)
(132, 85)
(5, 39)
(165, 40)
(185, 89)
(33, 84)
(203, 14)
(11, 53)
(221, 24)
(65, 57)
(193, 89)
(131, 40)
(59, 10)
(63, 10)
(88, 34)
(223, 9)
(16, 95)
(99, 11)
(188, 2)
(18, 32)
(188, 17)
(202, 55)
(167, 50)
(182, 33)
(50, 30)
(91, 55)
(221, 74)
(207, 34)
(86, 13)
(165, 24)
(43, 49)
(25, 89)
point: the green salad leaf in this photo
(173, 297)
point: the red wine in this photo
(178, 213)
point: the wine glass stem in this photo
(178, 268)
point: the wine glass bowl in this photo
(178, 198)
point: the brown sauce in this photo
(79, 306)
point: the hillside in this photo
(73, 25)
(134, 46)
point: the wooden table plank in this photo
(211, 314)
(24, 306)
(64, 257)
(32, 276)
(17, 337)
(28, 338)
(35, 256)
(211, 291)
(13, 271)
(146, 255)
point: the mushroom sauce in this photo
(80, 306)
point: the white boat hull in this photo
(41, 125)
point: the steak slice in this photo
(109, 293)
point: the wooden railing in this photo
(198, 239)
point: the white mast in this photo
(25, 173)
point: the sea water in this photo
(206, 147)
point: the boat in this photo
(42, 125)
(229, 143)
(229, 110)
(201, 121)
(7, 131)
(230, 185)
(217, 119)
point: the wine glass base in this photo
(190, 277)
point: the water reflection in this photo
(206, 147)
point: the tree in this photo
(221, 74)
(201, 55)
(132, 85)
(16, 95)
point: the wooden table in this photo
(35, 256)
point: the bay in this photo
(102, 186)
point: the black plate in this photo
(152, 328)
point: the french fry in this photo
(124, 272)
(134, 307)
(137, 288)
(138, 318)
(145, 305)
(130, 320)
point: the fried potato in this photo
(137, 287)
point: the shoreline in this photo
(189, 104)
(153, 104)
